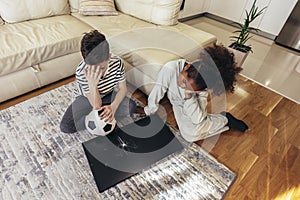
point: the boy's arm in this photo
(195, 107)
(94, 98)
(121, 87)
(93, 75)
(122, 90)
(110, 110)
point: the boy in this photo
(100, 85)
(187, 88)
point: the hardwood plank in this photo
(261, 99)
(295, 138)
(257, 180)
(290, 165)
(289, 106)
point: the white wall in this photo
(260, 4)
(192, 7)
(271, 21)
(229, 9)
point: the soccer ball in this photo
(96, 126)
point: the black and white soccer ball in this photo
(96, 126)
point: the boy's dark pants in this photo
(74, 117)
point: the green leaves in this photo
(239, 42)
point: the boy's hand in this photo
(93, 75)
(107, 113)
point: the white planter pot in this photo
(239, 56)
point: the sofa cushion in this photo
(74, 4)
(113, 25)
(20, 10)
(145, 47)
(35, 41)
(129, 34)
(148, 49)
(164, 12)
(97, 7)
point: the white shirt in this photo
(191, 115)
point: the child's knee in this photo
(67, 127)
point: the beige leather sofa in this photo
(40, 41)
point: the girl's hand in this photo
(188, 94)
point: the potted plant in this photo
(239, 46)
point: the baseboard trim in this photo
(191, 17)
(228, 22)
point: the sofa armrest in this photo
(155, 11)
(1, 21)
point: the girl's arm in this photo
(196, 107)
(159, 90)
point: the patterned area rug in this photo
(37, 161)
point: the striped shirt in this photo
(114, 74)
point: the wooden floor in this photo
(266, 159)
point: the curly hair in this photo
(94, 47)
(215, 69)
